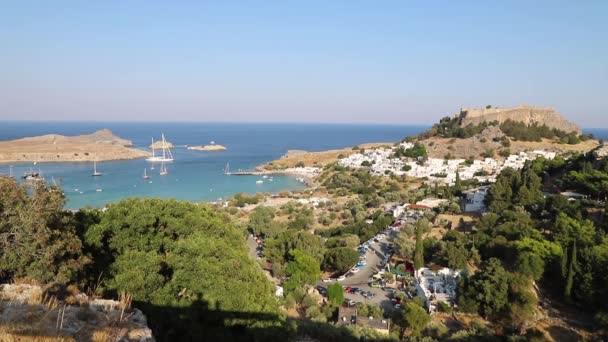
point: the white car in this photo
(327, 280)
(341, 278)
(354, 270)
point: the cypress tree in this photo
(564, 263)
(571, 272)
(457, 184)
(419, 251)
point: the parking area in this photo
(359, 283)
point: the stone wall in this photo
(527, 114)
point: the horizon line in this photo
(239, 122)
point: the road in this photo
(375, 254)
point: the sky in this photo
(398, 62)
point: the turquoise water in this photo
(194, 175)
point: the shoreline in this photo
(88, 160)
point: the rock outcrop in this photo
(212, 148)
(526, 114)
(159, 145)
(27, 313)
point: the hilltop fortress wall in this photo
(527, 114)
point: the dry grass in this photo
(19, 334)
(108, 334)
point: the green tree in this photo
(405, 246)
(415, 317)
(38, 239)
(457, 184)
(261, 221)
(487, 290)
(303, 269)
(340, 259)
(571, 272)
(335, 294)
(421, 226)
(186, 266)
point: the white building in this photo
(436, 286)
(381, 162)
(474, 199)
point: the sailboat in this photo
(167, 155)
(146, 173)
(95, 173)
(163, 170)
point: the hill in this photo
(101, 145)
(495, 132)
(529, 115)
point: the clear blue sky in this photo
(407, 62)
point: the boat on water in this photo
(99, 190)
(146, 173)
(95, 172)
(166, 156)
(163, 170)
(259, 182)
(33, 176)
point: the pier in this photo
(242, 172)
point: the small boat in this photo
(146, 173)
(95, 173)
(163, 170)
(264, 176)
(99, 190)
(33, 176)
(259, 182)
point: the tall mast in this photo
(164, 144)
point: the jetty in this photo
(243, 172)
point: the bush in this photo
(300, 164)
(443, 307)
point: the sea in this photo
(194, 175)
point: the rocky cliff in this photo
(527, 114)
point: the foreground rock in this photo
(527, 114)
(99, 146)
(29, 314)
(212, 148)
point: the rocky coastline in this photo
(102, 145)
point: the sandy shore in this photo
(99, 146)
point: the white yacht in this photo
(167, 156)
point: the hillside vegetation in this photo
(184, 265)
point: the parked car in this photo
(327, 280)
(397, 306)
(347, 289)
(375, 284)
(354, 270)
(370, 294)
(341, 278)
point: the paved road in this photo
(375, 254)
(253, 245)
